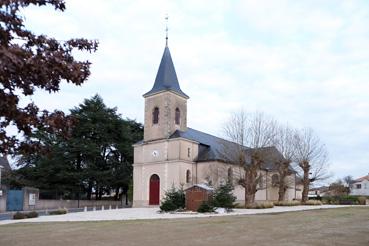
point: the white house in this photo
(360, 186)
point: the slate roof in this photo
(166, 78)
(213, 148)
(362, 179)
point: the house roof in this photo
(5, 163)
(362, 179)
(166, 78)
(213, 148)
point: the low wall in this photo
(3, 200)
(54, 204)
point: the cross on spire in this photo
(166, 30)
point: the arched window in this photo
(275, 180)
(155, 115)
(188, 176)
(178, 116)
(230, 175)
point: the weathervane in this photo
(166, 30)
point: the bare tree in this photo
(256, 131)
(284, 142)
(348, 180)
(311, 156)
(338, 188)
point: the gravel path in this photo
(152, 213)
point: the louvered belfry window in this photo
(178, 116)
(155, 115)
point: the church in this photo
(173, 154)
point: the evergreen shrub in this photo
(174, 199)
(205, 207)
(223, 197)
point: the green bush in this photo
(19, 216)
(313, 202)
(223, 196)
(260, 205)
(168, 205)
(205, 207)
(58, 212)
(287, 203)
(32, 214)
(174, 199)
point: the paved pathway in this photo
(152, 213)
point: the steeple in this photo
(166, 78)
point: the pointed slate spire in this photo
(166, 78)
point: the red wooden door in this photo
(154, 190)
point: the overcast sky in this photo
(302, 62)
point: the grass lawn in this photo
(343, 226)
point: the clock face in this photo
(155, 153)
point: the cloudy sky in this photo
(302, 62)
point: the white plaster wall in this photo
(364, 191)
(171, 173)
(217, 172)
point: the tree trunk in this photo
(249, 195)
(283, 172)
(89, 191)
(306, 183)
(281, 191)
(116, 197)
(100, 193)
(97, 192)
(249, 198)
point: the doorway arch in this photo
(154, 190)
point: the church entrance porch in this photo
(154, 189)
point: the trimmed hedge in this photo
(260, 205)
(344, 200)
(58, 212)
(20, 216)
(287, 203)
(32, 214)
(313, 203)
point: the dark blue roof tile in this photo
(166, 78)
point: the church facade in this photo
(172, 154)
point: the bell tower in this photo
(165, 103)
